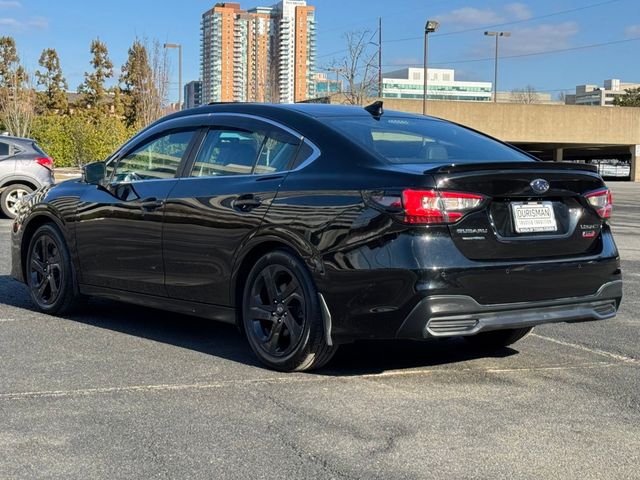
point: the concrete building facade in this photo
(408, 84)
(265, 54)
(594, 95)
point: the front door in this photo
(119, 228)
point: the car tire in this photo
(497, 339)
(49, 272)
(10, 195)
(281, 314)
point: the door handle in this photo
(246, 203)
(151, 204)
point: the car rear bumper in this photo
(455, 315)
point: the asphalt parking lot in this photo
(123, 392)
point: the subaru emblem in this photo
(540, 185)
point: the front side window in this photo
(156, 160)
(423, 141)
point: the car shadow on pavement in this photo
(225, 341)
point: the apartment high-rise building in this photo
(193, 94)
(265, 54)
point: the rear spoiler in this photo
(535, 165)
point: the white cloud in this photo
(10, 22)
(474, 17)
(470, 16)
(35, 23)
(9, 4)
(39, 23)
(540, 38)
(518, 11)
(535, 39)
(632, 31)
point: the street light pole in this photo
(179, 47)
(495, 78)
(430, 27)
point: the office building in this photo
(595, 95)
(325, 86)
(408, 83)
(264, 54)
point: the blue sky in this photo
(536, 26)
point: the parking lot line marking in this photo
(7, 320)
(597, 351)
(286, 379)
(404, 373)
(150, 388)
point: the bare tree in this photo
(359, 67)
(160, 75)
(17, 97)
(526, 95)
(17, 107)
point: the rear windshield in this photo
(417, 140)
(39, 150)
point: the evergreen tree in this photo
(137, 81)
(12, 74)
(54, 97)
(93, 89)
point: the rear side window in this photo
(227, 152)
(424, 141)
(39, 150)
(4, 149)
(276, 154)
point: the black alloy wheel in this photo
(48, 271)
(281, 314)
(277, 310)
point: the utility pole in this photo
(337, 71)
(380, 57)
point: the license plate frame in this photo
(534, 217)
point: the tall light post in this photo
(179, 47)
(430, 27)
(495, 78)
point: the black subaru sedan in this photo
(310, 226)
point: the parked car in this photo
(24, 167)
(310, 226)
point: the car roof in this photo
(16, 139)
(314, 110)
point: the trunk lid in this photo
(533, 210)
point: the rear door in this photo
(7, 166)
(220, 202)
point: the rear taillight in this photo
(437, 207)
(45, 162)
(602, 201)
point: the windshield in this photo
(418, 141)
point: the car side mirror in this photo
(94, 173)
